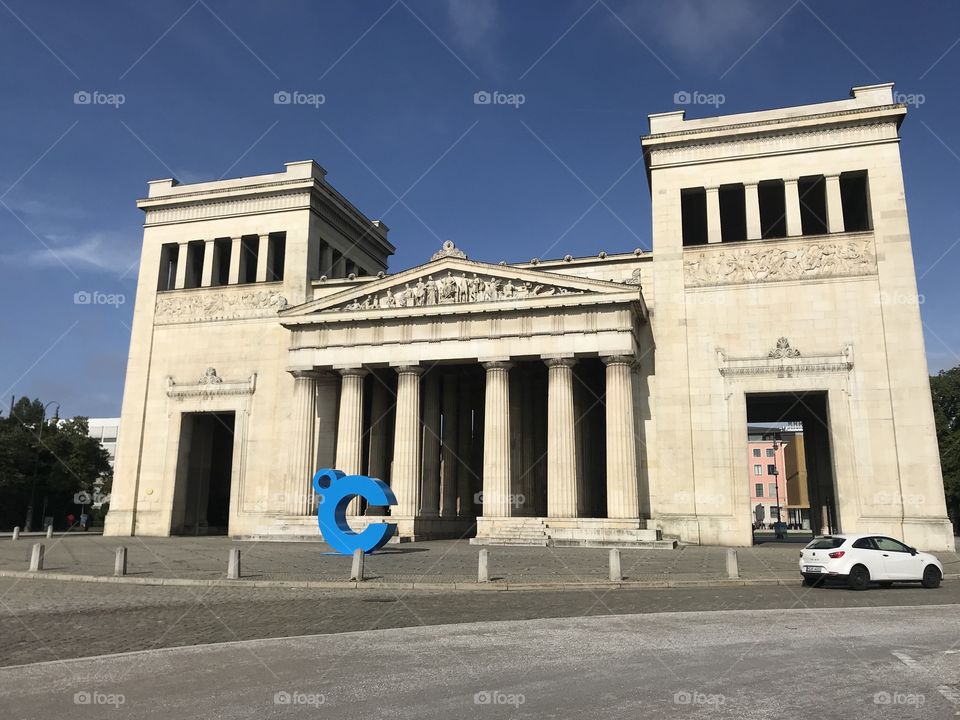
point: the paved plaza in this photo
(893, 662)
(442, 563)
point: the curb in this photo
(381, 585)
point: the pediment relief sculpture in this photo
(450, 289)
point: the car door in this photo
(865, 551)
(900, 564)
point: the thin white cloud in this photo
(698, 29)
(96, 252)
(474, 22)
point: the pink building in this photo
(768, 477)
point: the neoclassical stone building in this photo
(581, 400)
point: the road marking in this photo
(906, 660)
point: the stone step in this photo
(626, 544)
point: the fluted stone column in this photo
(465, 441)
(350, 427)
(377, 463)
(300, 463)
(448, 484)
(263, 255)
(206, 276)
(430, 474)
(562, 470)
(496, 440)
(236, 249)
(622, 494)
(406, 442)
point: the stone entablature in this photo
(208, 304)
(779, 260)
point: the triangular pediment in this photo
(452, 282)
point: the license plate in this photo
(812, 569)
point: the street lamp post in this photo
(28, 521)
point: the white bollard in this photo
(733, 567)
(16, 533)
(233, 564)
(36, 558)
(49, 532)
(483, 571)
(120, 562)
(615, 574)
(356, 568)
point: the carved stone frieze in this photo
(217, 305)
(452, 289)
(778, 261)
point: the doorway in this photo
(791, 482)
(201, 503)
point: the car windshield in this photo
(826, 543)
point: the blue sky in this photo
(559, 174)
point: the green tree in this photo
(945, 388)
(45, 462)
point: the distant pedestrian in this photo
(85, 521)
(70, 520)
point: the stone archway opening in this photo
(791, 483)
(201, 503)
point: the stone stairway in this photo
(580, 532)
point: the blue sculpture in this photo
(336, 489)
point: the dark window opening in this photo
(855, 197)
(275, 256)
(249, 250)
(693, 216)
(336, 265)
(813, 205)
(773, 209)
(222, 249)
(169, 253)
(733, 213)
(194, 274)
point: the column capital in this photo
(791, 181)
(352, 371)
(628, 360)
(409, 369)
(497, 365)
(304, 374)
(560, 361)
(711, 188)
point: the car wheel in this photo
(886, 583)
(859, 577)
(931, 577)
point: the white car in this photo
(862, 559)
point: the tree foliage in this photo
(945, 388)
(45, 462)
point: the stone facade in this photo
(594, 400)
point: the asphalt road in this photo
(896, 662)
